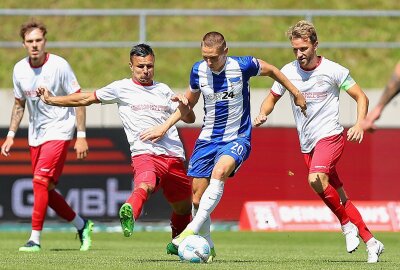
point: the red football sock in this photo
(356, 218)
(60, 206)
(179, 223)
(40, 202)
(332, 200)
(137, 200)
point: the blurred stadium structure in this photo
(143, 14)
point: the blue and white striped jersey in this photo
(226, 97)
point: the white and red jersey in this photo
(46, 122)
(320, 87)
(142, 107)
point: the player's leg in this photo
(228, 160)
(205, 231)
(374, 247)
(54, 159)
(320, 162)
(40, 164)
(177, 189)
(145, 181)
(199, 186)
(40, 203)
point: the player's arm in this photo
(72, 100)
(81, 146)
(183, 112)
(266, 108)
(274, 73)
(356, 132)
(391, 90)
(16, 117)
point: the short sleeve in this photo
(108, 94)
(69, 82)
(194, 78)
(18, 93)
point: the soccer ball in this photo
(194, 249)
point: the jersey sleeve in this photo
(348, 83)
(69, 81)
(18, 93)
(194, 78)
(172, 105)
(340, 75)
(252, 66)
(108, 94)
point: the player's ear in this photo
(130, 66)
(315, 45)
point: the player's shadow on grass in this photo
(66, 249)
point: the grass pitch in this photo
(235, 250)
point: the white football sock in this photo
(78, 222)
(210, 199)
(205, 229)
(35, 236)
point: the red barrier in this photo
(275, 169)
(314, 216)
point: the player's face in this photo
(35, 45)
(215, 57)
(305, 52)
(142, 69)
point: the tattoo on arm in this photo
(17, 114)
(80, 118)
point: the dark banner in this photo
(275, 170)
(95, 187)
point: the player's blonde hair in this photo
(303, 29)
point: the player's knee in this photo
(317, 181)
(220, 173)
(41, 180)
(148, 188)
(196, 203)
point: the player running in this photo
(321, 136)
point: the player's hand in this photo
(43, 93)
(259, 120)
(153, 134)
(355, 134)
(180, 98)
(5, 148)
(81, 148)
(300, 101)
(368, 123)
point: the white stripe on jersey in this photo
(226, 97)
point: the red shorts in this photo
(170, 175)
(48, 159)
(324, 156)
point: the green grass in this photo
(235, 250)
(96, 67)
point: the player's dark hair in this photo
(30, 25)
(141, 50)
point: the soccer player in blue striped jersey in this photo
(224, 141)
